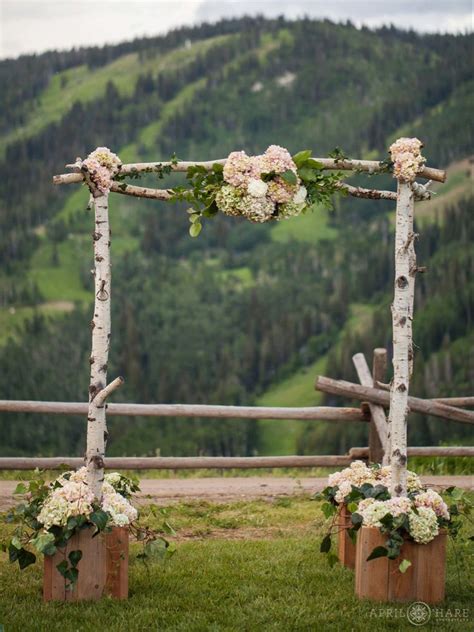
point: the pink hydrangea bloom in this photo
(433, 500)
(99, 175)
(280, 191)
(277, 159)
(239, 169)
(407, 159)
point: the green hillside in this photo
(246, 313)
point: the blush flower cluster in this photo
(258, 187)
(102, 165)
(434, 501)
(71, 496)
(407, 159)
(422, 520)
(359, 473)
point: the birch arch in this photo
(394, 433)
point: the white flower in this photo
(373, 512)
(70, 495)
(300, 195)
(423, 525)
(256, 209)
(228, 198)
(257, 188)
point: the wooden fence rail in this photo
(323, 413)
(220, 462)
(179, 463)
(378, 396)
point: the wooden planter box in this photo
(103, 569)
(380, 579)
(346, 550)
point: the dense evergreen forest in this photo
(230, 316)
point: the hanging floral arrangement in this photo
(271, 186)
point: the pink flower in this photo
(407, 159)
(239, 169)
(277, 159)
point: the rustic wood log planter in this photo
(346, 550)
(103, 569)
(116, 545)
(381, 580)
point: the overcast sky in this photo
(37, 25)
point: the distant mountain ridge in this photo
(243, 307)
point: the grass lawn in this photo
(239, 566)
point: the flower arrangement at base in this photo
(271, 186)
(53, 512)
(419, 516)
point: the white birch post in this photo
(402, 314)
(100, 325)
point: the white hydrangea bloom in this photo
(228, 198)
(423, 525)
(372, 513)
(256, 209)
(73, 497)
(300, 195)
(257, 188)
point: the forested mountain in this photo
(228, 317)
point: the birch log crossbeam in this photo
(368, 166)
(378, 396)
(167, 194)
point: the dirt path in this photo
(164, 491)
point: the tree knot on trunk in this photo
(402, 282)
(94, 389)
(96, 236)
(401, 388)
(97, 461)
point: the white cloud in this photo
(38, 25)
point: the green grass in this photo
(61, 281)
(309, 227)
(263, 572)
(280, 436)
(12, 320)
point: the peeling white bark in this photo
(368, 166)
(402, 312)
(100, 324)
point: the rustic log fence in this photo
(372, 392)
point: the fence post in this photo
(378, 421)
(379, 369)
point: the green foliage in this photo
(191, 333)
(259, 575)
(30, 532)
